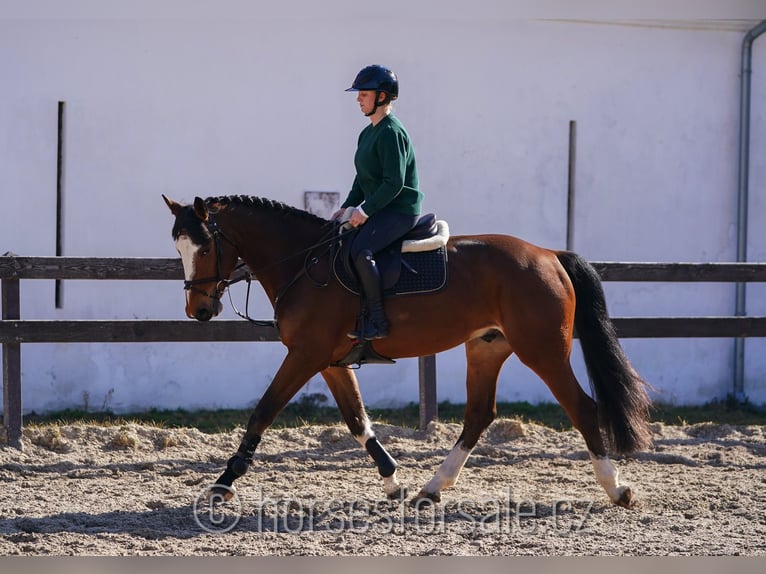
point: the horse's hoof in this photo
(398, 494)
(220, 493)
(431, 497)
(626, 498)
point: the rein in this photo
(222, 284)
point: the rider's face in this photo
(366, 100)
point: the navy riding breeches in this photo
(381, 230)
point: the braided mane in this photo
(263, 203)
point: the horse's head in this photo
(208, 257)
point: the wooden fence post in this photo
(429, 410)
(11, 310)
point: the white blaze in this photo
(187, 250)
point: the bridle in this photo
(223, 283)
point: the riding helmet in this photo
(376, 78)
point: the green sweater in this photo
(386, 173)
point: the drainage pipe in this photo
(742, 198)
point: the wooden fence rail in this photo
(14, 331)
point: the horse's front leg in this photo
(296, 369)
(345, 389)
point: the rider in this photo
(384, 198)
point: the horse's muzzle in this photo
(206, 313)
(203, 314)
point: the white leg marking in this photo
(391, 484)
(449, 470)
(608, 476)
(366, 435)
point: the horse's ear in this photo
(174, 206)
(200, 209)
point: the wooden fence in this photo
(14, 331)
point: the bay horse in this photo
(503, 296)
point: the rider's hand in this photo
(357, 218)
(338, 214)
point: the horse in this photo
(504, 296)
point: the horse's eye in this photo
(204, 251)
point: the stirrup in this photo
(362, 353)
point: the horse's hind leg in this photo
(581, 410)
(485, 356)
(344, 388)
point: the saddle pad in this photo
(422, 272)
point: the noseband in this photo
(221, 282)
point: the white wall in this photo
(255, 105)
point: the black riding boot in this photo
(376, 325)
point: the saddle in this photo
(414, 263)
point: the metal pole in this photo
(58, 285)
(571, 184)
(742, 199)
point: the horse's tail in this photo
(620, 393)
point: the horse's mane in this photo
(263, 203)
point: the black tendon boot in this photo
(376, 325)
